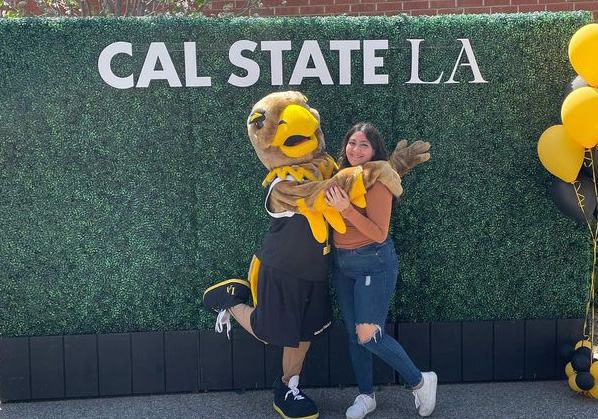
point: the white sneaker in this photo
(362, 405)
(425, 396)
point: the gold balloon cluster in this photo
(562, 147)
(582, 370)
(562, 150)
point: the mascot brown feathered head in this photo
(284, 130)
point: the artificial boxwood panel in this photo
(118, 207)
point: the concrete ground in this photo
(539, 399)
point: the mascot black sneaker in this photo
(224, 295)
(292, 403)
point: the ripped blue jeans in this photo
(365, 280)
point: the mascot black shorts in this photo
(289, 310)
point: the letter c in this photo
(105, 65)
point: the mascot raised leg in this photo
(287, 284)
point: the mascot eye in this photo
(257, 119)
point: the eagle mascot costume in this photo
(287, 276)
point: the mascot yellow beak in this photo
(296, 133)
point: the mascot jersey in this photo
(290, 246)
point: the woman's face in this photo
(359, 150)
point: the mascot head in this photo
(284, 130)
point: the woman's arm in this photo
(375, 224)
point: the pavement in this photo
(512, 400)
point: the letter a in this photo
(472, 63)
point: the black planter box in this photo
(59, 367)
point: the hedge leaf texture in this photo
(119, 206)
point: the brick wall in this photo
(411, 7)
(377, 7)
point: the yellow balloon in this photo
(559, 154)
(593, 392)
(569, 369)
(579, 114)
(583, 53)
(585, 343)
(573, 384)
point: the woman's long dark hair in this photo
(372, 135)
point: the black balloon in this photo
(586, 167)
(585, 351)
(567, 350)
(564, 197)
(585, 381)
(581, 362)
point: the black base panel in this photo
(273, 365)
(341, 369)
(415, 339)
(147, 349)
(47, 367)
(215, 361)
(509, 350)
(120, 364)
(181, 357)
(316, 369)
(568, 332)
(384, 373)
(477, 351)
(248, 361)
(114, 364)
(81, 366)
(15, 383)
(445, 356)
(540, 349)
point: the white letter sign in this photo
(191, 78)
(415, 64)
(235, 57)
(371, 62)
(310, 49)
(276, 48)
(477, 76)
(157, 52)
(344, 49)
(105, 65)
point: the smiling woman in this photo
(365, 274)
(362, 144)
(359, 150)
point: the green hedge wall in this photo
(118, 207)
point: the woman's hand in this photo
(337, 198)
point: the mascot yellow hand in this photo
(334, 218)
(315, 218)
(322, 211)
(357, 192)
